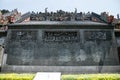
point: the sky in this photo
(98, 6)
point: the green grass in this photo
(24, 76)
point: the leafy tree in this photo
(5, 11)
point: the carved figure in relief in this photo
(82, 56)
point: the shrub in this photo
(91, 77)
(13, 76)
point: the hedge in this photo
(15, 76)
(91, 77)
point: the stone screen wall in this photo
(61, 47)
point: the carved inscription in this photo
(98, 35)
(23, 35)
(61, 36)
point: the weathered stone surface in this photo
(61, 47)
(66, 47)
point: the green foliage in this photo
(91, 77)
(5, 11)
(14, 76)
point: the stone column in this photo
(1, 56)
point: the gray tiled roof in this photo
(23, 17)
